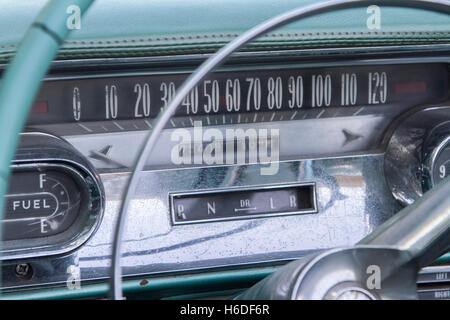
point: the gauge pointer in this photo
(102, 155)
(349, 136)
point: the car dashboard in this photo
(278, 153)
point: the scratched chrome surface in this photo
(352, 196)
(406, 163)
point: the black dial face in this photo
(441, 164)
(41, 202)
(132, 102)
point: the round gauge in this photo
(440, 162)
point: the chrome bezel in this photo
(431, 160)
(172, 195)
(409, 142)
(95, 254)
(85, 177)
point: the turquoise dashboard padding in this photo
(165, 27)
(23, 77)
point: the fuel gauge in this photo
(41, 201)
(54, 201)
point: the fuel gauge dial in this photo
(42, 201)
(54, 202)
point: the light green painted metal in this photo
(445, 259)
(170, 287)
(226, 294)
(23, 76)
(154, 287)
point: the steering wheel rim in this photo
(202, 71)
(26, 70)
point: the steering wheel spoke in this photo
(384, 265)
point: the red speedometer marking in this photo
(39, 107)
(410, 87)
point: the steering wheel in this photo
(391, 255)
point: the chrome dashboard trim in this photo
(153, 246)
(63, 246)
(346, 210)
(432, 158)
(53, 152)
(406, 167)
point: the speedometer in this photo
(131, 101)
(355, 102)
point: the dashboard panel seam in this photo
(313, 35)
(207, 48)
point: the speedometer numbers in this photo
(298, 93)
(227, 95)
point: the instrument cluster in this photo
(346, 144)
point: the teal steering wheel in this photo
(22, 78)
(21, 81)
